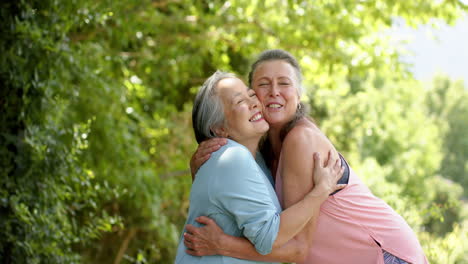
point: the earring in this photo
(299, 106)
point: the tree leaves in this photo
(95, 131)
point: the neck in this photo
(275, 141)
(251, 145)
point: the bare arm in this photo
(295, 217)
(210, 239)
(296, 170)
(203, 153)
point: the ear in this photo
(220, 131)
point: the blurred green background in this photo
(95, 106)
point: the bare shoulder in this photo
(306, 137)
(304, 134)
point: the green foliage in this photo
(96, 133)
(48, 198)
(447, 103)
(391, 138)
(382, 123)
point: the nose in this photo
(254, 102)
(274, 91)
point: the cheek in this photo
(291, 94)
(231, 117)
(239, 113)
(261, 94)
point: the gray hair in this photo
(208, 110)
(277, 54)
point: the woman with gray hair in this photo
(231, 188)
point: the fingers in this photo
(197, 252)
(189, 237)
(317, 160)
(338, 171)
(192, 252)
(203, 153)
(217, 140)
(325, 161)
(196, 161)
(213, 142)
(196, 247)
(340, 186)
(207, 150)
(337, 166)
(222, 141)
(202, 159)
(191, 229)
(188, 240)
(192, 242)
(329, 158)
(205, 220)
(341, 171)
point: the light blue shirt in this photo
(232, 189)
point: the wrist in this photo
(220, 244)
(319, 191)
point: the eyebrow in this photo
(263, 77)
(236, 95)
(268, 78)
(240, 93)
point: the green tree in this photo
(386, 132)
(48, 198)
(447, 103)
(96, 97)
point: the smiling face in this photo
(244, 120)
(275, 83)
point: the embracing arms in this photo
(209, 240)
(203, 153)
(299, 144)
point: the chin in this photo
(279, 120)
(275, 122)
(263, 129)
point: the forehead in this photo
(230, 87)
(274, 69)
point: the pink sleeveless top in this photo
(351, 220)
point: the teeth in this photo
(274, 105)
(256, 117)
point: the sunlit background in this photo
(96, 98)
(442, 49)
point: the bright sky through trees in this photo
(432, 51)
